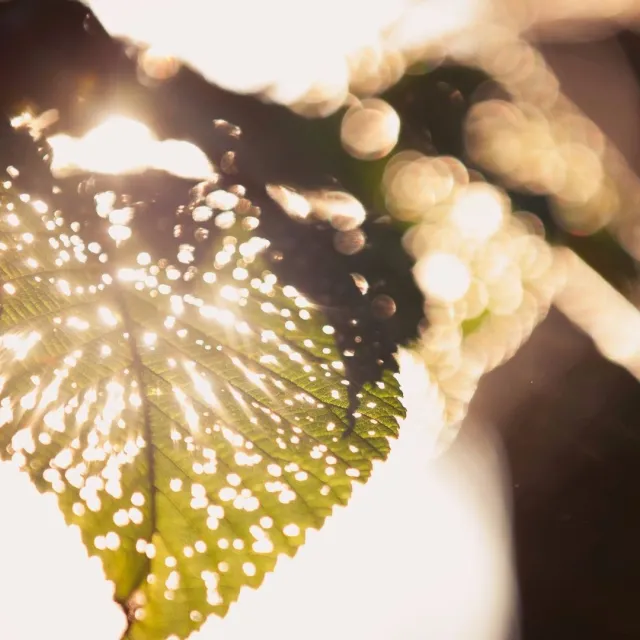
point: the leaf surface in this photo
(191, 409)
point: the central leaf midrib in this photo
(138, 370)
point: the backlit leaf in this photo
(192, 411)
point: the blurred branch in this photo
(599, 310)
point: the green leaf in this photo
(194, 421)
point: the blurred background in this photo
(541, 99)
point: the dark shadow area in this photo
(569, 420)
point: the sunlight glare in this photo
(121, 146)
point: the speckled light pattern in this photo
(188, 417)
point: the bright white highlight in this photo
(478, 211)
(49, 587)
(297, 53)
(443, 277)
(120, 146)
